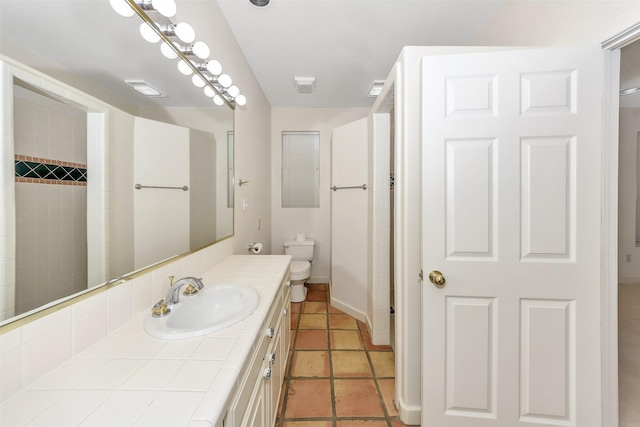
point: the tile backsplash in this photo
(29, 352)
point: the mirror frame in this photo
(10, 70)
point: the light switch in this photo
(245, 205)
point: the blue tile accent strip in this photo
(28, 169)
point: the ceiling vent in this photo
(305, 84)
(145, 88)
(376, 88)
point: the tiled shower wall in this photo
(51, 218)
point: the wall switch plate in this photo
(245, 205)
(627, 258)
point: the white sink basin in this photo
(212, 309)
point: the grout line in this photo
(360, 328)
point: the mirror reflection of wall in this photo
(50, 143)
(73, 198)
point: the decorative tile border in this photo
(46, 171)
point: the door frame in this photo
(611, 106)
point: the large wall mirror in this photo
(97, 181)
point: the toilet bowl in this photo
(301, 252)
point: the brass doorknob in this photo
(437, 278)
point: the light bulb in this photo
(197, 80)
(214, 67)
(184, 68)
(168, 52)
(217, 100)
(224, 80)
(201, 50)
(164, 7)
(185, 32)
(209, 92)
(241, 100)
(148, 34)
(233, 91)
(122, 8)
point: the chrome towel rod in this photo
(140, 187)
(362, 187)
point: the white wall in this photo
(629, 129)
(203, 146)
(160, 158)
(252, 127)
(350, 219)
(315, 222)
(120, 189)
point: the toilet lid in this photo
(299, 266)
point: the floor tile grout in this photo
(372, 378)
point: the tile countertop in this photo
(132, 379)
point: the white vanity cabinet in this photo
(256, 402)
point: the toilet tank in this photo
(300, 250)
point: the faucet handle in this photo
(191, 290)
(160, 309)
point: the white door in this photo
(511, 218)
(349, 218)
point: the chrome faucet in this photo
(173, 296)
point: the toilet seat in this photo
(300, 270)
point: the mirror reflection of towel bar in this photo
(362, 187)
(140, 187)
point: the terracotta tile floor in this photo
(335, 376)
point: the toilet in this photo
(301, 251)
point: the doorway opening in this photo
(628, 250)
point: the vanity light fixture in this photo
(206, 74)
(375, 89)
(185, 68)
(201, 50)
(197, 81)
(148, 34)
(214, 67)
(163, 7)
(184, 32)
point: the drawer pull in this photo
(288, 282)
(272, 359)
(271, 332)
(285, 311)
(267, 373)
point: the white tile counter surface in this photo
(132, 379)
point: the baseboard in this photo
(349, 310)
(313, 279)
(410, 415)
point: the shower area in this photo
(50, 150)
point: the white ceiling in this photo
(344, 44)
